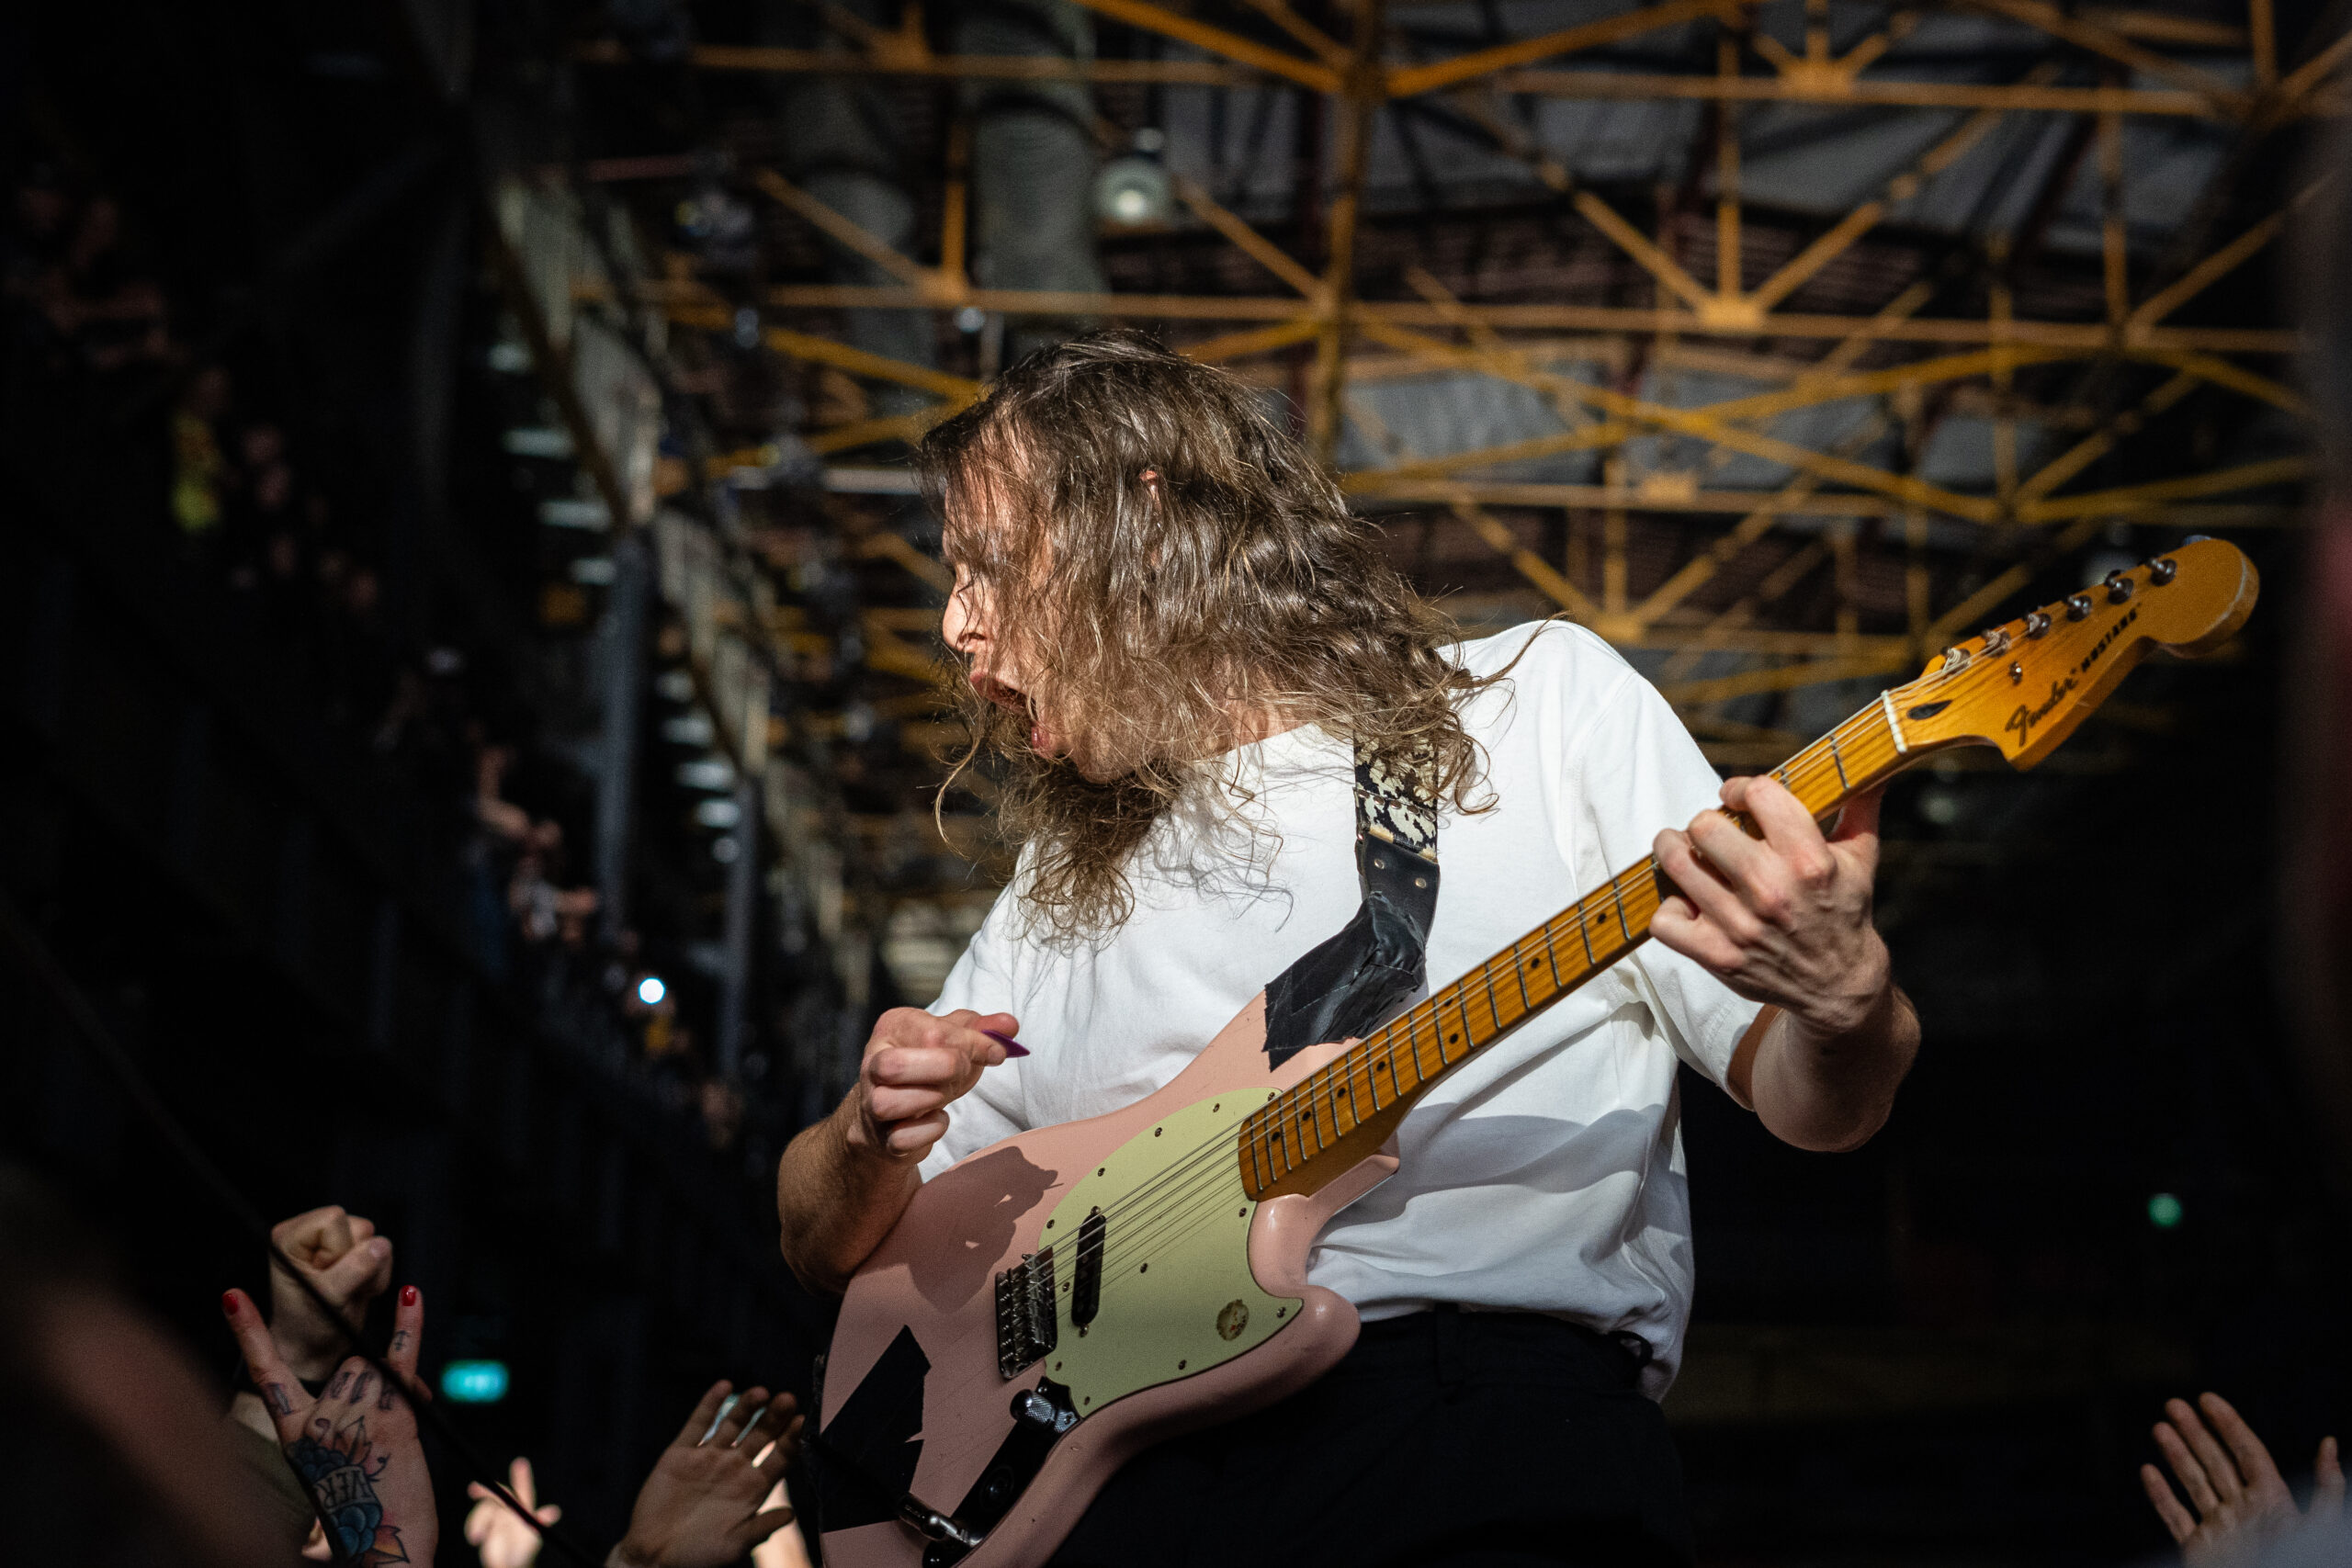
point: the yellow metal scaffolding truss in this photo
(1440, 332)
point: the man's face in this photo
(995, 664)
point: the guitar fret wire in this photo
(1618, 894)
(1799, 772)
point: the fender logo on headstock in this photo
(2025, 718)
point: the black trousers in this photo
(1444, 1439)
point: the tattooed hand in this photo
(700, 1508)
(350, 1264)
(355, 1447)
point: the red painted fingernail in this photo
(408, 1295)
(228, 1304)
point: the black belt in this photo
(1449, 1336)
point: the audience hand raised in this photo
(351, 1265)
(491, 1529)
(355, 1446)
(2242, 1502)
(700, 1508)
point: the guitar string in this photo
(1814, 762)
(1139, 1235)
(1145, 1234)
(1331, 1086)
(1182, 1180)
(1172, 1188)
(1141, 1231)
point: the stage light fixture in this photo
(2164, 1211)
(473, 1382)
(1132, 192)
(650, 990)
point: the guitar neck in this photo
(1336, 1116)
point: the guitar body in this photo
(915, 1396)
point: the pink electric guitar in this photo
(1053, 1305)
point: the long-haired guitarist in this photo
(1180, 644)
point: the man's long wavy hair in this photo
(1179, 577)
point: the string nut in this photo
(2162, 570)
(2118, 587)
(2078, 606)
(2036, 624)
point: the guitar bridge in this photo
(1026, 1330)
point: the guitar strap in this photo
(1378, 961)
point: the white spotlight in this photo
(1131, 192)
(650, 990)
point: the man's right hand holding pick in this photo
(916, 1065)
(844, 1182)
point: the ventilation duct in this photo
(841, 144)
(1032, 159)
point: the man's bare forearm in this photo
(1832, 1092)
(837, 1198)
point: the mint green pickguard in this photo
(1178, 1297)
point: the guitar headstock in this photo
(2024, 687)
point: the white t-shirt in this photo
(1546, 1174)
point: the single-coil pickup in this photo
(1086, 1273)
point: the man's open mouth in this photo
(1002, 694)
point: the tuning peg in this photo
(1996, 640)
(2036, 624)
(2078, 606)
(2119, 588)
(2162, 570)
(1955, 658)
